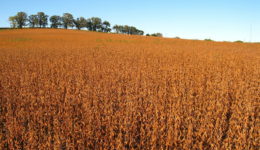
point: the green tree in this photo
(67, 20)
(13, 22)
(121, 29)
(43, 19)
(208, 40)
(106, 27)
(127, 30)
(21, 19)
(33, 21)
(94, 24)
(157, 34)
(140, 32)
(239, 41)
(80, 22)
(116, 28)
(89, 24)
(56, 21)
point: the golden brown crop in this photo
(65, 89)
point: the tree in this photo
(33, 20)
(140, 32)
(120, 28)
(134, 31)
(116, 28)
(89, 24)
(105, 26)
(208, 40)
(157, 34)
(127, 30)
(239, 41)
(94, 24)
(67, 20)
(56, 21)
(21, 19)
(80, 22)
(13, 22)
(43, 19)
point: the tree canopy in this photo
(94, 24)
(125, 29)
(106, 27)
(80, 23)
(13, 23)
(56, 21)
(33, 20)
(157, 34)
(42, 19)
(67, 20)
(20, 19)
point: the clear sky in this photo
(221, 20)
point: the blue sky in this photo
(221, 20)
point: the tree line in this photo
(41, 20)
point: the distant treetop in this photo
(40, 20)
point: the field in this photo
(67, 89)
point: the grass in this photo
(62, 89)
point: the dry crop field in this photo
(67, 89)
